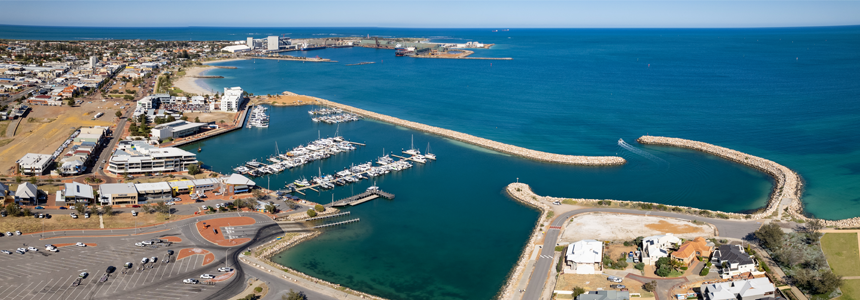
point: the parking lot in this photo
(45, 275)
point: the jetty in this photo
(328, 216)
(361, 198)
(577, 160)
(293, 58)
(362, 63)
(338, 223)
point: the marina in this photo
(338, 223)
(372, 192)
(258, 117)
(346, 213)
(316, 150)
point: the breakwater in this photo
(482, 142)
(787, 183)
(509, 289)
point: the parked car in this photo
(39, 207)
(31, 248)
(20, 252)
(147, 242)
(6, 252)
(84, 275)
(225, 269)
(207, 276)
(79, 244)
(63, 207)
(136, 206)
(144, 260)
(74, 216)
(86, 215)
(617, 286)
(205, 207)
(153, 259)
(134, 213)
(190, 281)
(139, 244)
(9, 233)
(18, 233)
(52, 249)
(613, 279)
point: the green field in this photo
(842, 253)
(850, 289)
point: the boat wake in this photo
(640, 152)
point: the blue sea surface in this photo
(785, 94)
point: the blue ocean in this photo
(786, 94)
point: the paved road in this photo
(727, 228)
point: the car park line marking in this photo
(43, 287)
(15, 289)
(84, 287)
(24, 290)
(4, 291)
(64, 286)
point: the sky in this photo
(432, 14)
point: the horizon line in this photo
(408, 27)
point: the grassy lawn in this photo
(842, 253)
(5, 142)
(3, 126)
(851, 290)
(30, 224)
(126, 220)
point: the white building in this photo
(135, 157)
(753, 289)
(117, 193)
(153, 192)
(655, 247)
(584, 257)
(26, 193)
(250, 43)
(78, 192)
(176, 129)
(35, 164)
(236, 48)
(273, 43)
(232, 99)
(732, 260)
(93, 61)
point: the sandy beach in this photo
(192, 85)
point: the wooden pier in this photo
(328, 216)
(338, 223)
(361, 198)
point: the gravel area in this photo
(624, 227)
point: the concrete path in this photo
(13, 126)
(298, 283)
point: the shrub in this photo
(646, 206)
(650, 286)
(559, 248)
(722, 216)
(662, 207)
(319, 208)
(312, 213)
(704, 271)
(639, 266)
(677, 209)
(258, 289)
(705, 213)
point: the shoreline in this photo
(192, 85)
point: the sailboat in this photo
(429, 155)
(412, 150)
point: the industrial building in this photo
(176, 129)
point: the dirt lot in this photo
(128, 221)
(624, 227)
(30, 224)
(616, 250)
(210, 116)
(45, 128)
(566, 282)
(289, 99)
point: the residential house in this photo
(655, 247)
(117, 193)
(698, 247)
(584, 257)
(605, 295)
(78, 193)
(732, 260)
(26, 194)
(752, 289)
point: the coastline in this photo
(192, 85)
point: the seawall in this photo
(787, 183)
(482, 142)
(509, 289)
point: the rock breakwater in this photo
(509, 289)
(788, 185)
(482, 142)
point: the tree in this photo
(312, 213)
(650, 286)
(196, 119)
(145, 208)
(770, 235)
(258, 194)
(118, 114)
(578, 291)
(33, 180)
(293, 295)
(319, 208)
(12, 209)
(80, 207)
(162, 208)
(93, 210)
(171, 119)
(184, 118)
(18, 179)
(107, 210)
(70, 102)
(270, 209)
(193, 169)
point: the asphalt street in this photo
(727, 228)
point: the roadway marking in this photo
(26, 289)
(546, 256)
(19, 286)
(43, 288)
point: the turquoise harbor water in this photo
(787, 94)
